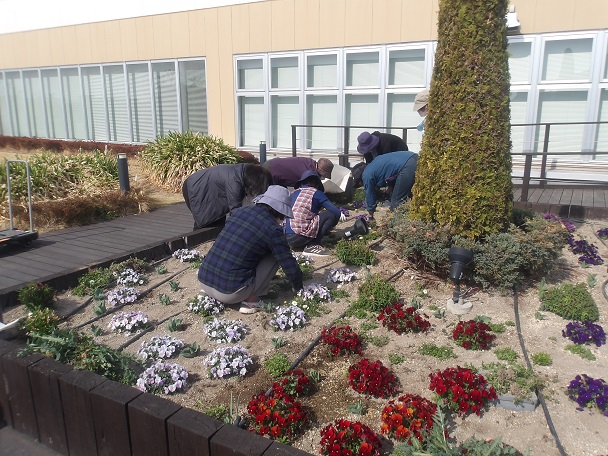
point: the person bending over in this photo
(374, 144)
(396, 171)
(286, 171)
(310, 223)
(248, 252)
(214, 192)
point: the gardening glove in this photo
(342, 217)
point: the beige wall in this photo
(273, 25)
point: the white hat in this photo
(278, 198)
(421, 100)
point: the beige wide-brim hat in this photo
(421, 100)
(278, 198)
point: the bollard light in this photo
(459, 258)
(262, 152)
(123, 173)
(360, 228)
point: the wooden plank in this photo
(545, 197)
(556, 196)
(577, 197)
(44, 378)
(534, 195)
(109, 404)
(75, 387)
(517, 194)
(566, 198)
(189, 433)
(147, 422)
(587, 199)
(19, 392)
(234, 441)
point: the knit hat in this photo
(421, 100)
(325, 167)
(367, 142)
(310, 174)
(278, 198)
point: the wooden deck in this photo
(60, 257)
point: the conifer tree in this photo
(463, 178)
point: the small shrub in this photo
(395, 358)
(277, 365)
(36, 296)
(581, 351)
(513, 379)
(506, 354)
(572, 302)
(436, 351)
(42, 320)
(375, 293)
(92, 280)
(354, 252)
(542, 359)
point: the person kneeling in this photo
(309, 223)
(248, 252)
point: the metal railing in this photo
(537, 155)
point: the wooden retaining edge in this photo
(152, 252)
(82, 413)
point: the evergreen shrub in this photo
(354, 252)
(572, 302)
(37, 296)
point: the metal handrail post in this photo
(543, 166)
(404, 135)
(293, 141)
(343, 160)
(526, 178)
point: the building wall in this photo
(268, 26)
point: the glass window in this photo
(362, 69)
(193, 93)
(54, 105)
(285, 113)
(5, 122)
(250, 74)
(142, 111)
(165, 97)
(251, 121)
(406, 67)
(400, 114)
(562, 106)
(567, 60)
(116, 99)
(519, 61)
(16, 103)
(361, 110)
(72, 102)
(322, 71)
(519, 106)
(321, 110)
(284, 73)
(601, 139)
(35, 103)
(94, 105)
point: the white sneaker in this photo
(250, 307)
(316, 250)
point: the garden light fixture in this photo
(360, 228)
(459, 258)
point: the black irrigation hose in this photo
(541, 398)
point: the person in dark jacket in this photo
(248, 252)
(286, 171)
(310, 223)
(397, 171)
(214, 192)
(373, 144)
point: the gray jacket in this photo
(214, 192)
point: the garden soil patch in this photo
(582, 433)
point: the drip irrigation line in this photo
(120, 306)
(541, 398)
(604, 290)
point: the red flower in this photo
(473, 335)
(345, 438)
(461, 390)
(401, 320)
(342, 340)
(411, 416)
(295, 383)
(279, 416)
(372, 379)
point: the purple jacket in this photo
(287, 171)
